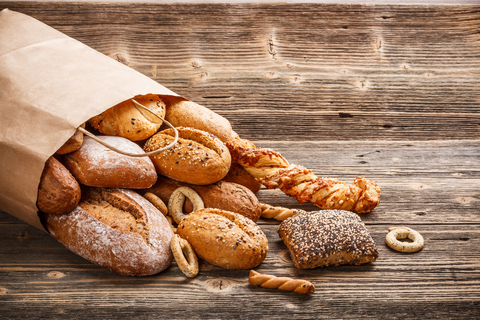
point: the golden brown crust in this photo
(72, 144)
(278, 213)
(238, 174)
(222, 195)
(274, 171)
(198, 157)
(281, 283)
(183, 113)
(58, 191)
(97, 166)
(129, 121)
(117, 229)
(224, 238)
(328, 237)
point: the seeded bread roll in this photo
(328, 237)
(58, 191)
(130, 121)
(184, 113)
(198, 158)
(220, 195)
(72, 144)
(224, 238)
(95, 165)
(116, 229)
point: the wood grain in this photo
(390, 92)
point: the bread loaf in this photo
(72, 144)
(58, 191)
(117, 229)
(238, 174)
(327, 237)
(198, 157)
(220, 195)
(97, 166)
(130, 121)
(183, 113)
(224, 238)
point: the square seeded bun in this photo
(327, 237)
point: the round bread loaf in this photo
(222, 195)
(130, 121)
(225, 239)
(95, 165)
(116, 229)
(58, 191)
(198, 157)
(184, 113)
(238, 174)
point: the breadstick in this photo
(278, 213)
(274, 171)
(281, 283)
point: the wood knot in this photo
(24, 235)
(55, 275)
(218, 285)
(3, 290)
(196, 65)
(122, 58)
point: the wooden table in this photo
(391, 92)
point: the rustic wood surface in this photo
(391, 92)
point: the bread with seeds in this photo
(198, 157)
(326, 238)
(116, 229)
(225, 239)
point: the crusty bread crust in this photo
(95, 165)
(238, 174)
(198, 157)
(116, 229)
(224, 238)
(72, 144)
(327, 237)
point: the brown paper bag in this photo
(49, 85)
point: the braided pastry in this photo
(274, 171)
(281, 283)
(278, 213)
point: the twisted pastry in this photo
(281, 283)
(274, 171)
(278, 213)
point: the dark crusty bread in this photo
(328, 237)
(73, 143)
(95, 165)
(225, 239)
(197, 158)
(220, 195)
(184, 113)
(117, 229)
(58, 191)
(130, 121)
(238, 174)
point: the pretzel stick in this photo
(278, 213)
(281, 283)
(274, 171)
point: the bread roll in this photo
(198, 157)
(327, 237)
(130, 121)
(220, 195)
(117, 229)
(58, 191)
(238, 174)
(224, 238)
(184, 113)
(72, 144)
(97, 166)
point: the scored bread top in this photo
(327, 237)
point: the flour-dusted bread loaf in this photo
(130, 121)
(220, 195)
(224, 238)
(95, 165)
(116, 229)
(184, 113)
(58, 191)
(198, 157)
(328, 237)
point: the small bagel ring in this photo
(157, 202)
(177, 198)
(184, 255)
(402, 233)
